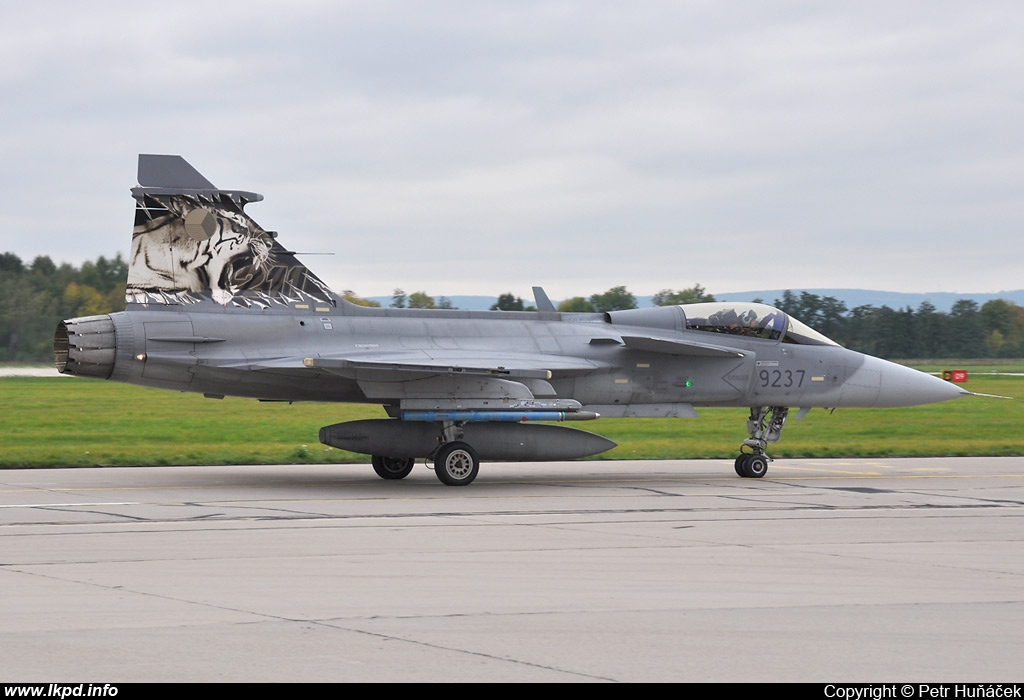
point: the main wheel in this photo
(456, 464)
(755, 466)
(392, 467)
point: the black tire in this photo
(756, 466)
(740, 465)
(456, 464)
(392, 467)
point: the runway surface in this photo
(827, 570)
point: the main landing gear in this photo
(455, 462)
(392, 467)
(764, 425)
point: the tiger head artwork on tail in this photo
(193, 241)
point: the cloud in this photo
(476, 147)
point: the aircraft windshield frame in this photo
(752, 320)
(802, 334)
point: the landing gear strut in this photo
(764, 425)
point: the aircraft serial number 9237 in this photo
(216, 305)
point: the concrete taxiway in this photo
(827, 570)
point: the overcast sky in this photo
(481, 147)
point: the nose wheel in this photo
(752, 466)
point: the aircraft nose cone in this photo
(902, 386)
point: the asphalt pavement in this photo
(826, 570)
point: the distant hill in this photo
(943, 301)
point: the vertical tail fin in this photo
(193, 242)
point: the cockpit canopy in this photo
(752, 320)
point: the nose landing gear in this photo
(764, 425)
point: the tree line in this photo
(994, 329)
(35, 296)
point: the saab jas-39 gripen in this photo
(216, 305)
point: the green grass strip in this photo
(70, 422)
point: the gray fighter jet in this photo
(216, 305)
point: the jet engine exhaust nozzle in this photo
(85, 346)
